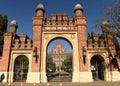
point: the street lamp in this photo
(84, 55)
(59, 62)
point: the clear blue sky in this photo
(23, 10)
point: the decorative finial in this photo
(14, 23)
(78, 7)
(40, 7)
(104, 22)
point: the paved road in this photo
(96, 83)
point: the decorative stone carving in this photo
(72, 36)
(46, 36)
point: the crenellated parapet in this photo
(104, 41)
(95, 41)
(22, 42)
(101, 41)
(59, 20)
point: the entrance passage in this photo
(59, 61)
(20, 69)
(97, 67)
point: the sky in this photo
(23, 10)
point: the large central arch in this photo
(71, 37)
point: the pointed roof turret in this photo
(105, 26)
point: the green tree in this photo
(50, 64)
(3, 29)
(67, 64)
(23, 60)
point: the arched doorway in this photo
(97, 67)
(59, 61)
(20, 68)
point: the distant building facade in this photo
(59, 54)
(25, 59)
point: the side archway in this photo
(97, 67)
(21, 64)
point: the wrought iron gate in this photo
(20, 69)
(20, 73)
(60, 73)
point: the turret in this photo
(37, 20)
(80, 22)
(40, 10)
(105, 26)
(78, 10)
(13, 26)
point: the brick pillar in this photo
(8, 39)
(5, 61)
(80, 22)
(37, 34)
(37, 38)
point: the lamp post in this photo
(59, 62)
(21, 73)
(84, 55)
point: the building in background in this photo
(59, 54)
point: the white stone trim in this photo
(86, 77)
(5, 76)
(75, 77)
(115, 76)
(33, 77)
(43, 77)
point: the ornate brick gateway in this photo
(92, 58)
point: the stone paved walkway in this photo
(97, 83)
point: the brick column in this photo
(5, 61)
(80, 22)
(37, 34)
(81, 28)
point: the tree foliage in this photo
(67, 64)
(50, 64)
(22, 60)
(3, 29)
(112, 15)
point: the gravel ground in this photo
(96, 83)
